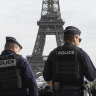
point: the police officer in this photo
(29, 88)
(70, 47)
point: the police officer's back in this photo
(16, 76)
(67, 65)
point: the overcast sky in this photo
(18, 18)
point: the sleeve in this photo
(30, 79)
(47, 73)
(89, 68)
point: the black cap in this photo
(71, 30)
(13, 40)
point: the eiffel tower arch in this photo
(50, 23)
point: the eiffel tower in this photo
(49, 24)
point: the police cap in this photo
(13, 40)
(71, 30)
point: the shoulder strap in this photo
(16, 56)
(77, 48)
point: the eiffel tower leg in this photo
(39, 45)
(59, 38)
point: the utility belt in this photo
(17, 92)
(60, 86)
(73, 90)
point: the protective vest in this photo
(9, 74)
(65, 66)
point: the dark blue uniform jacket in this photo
(28, 77)
(89, 70)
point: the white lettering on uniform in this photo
(65, 52)
(9, 62)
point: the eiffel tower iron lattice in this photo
(50, 23)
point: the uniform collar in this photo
(6, 52)
(68, 43)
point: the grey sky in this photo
(18, 18)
